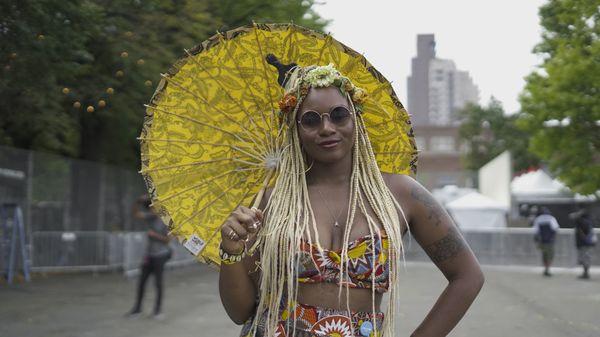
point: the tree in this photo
(37, 52)
(235, 13)
(140, 41)
(566, 87)
(488, 132)
(74, 74)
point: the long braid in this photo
(380, 197)
(288, 215)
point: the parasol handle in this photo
(257, 201)
(261, 193)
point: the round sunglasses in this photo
(311, 120)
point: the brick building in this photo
(436, 91)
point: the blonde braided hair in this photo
(288, 215)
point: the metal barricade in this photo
(95, 251)
(61, 251)
(511, 246)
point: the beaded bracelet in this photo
(227, 258)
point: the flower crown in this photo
(302, 79)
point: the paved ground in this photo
(514, 302)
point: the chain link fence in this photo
(63, 194)
(77, 214)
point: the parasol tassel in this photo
(283, 69)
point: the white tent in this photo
(475, 210)
(537, 183)
(449, 193)
(538, 186)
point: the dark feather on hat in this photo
(283, 69)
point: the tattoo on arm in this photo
(447, 247)
(434, 211)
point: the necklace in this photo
(336, 224)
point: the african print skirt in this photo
(314, 321)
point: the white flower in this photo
(322, 76)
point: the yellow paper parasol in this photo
(211, 138)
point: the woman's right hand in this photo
(240, 227)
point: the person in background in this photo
(532, 214)
(157, 254)
(585, 239)
(545, 227)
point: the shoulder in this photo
(398, 180)
(157, 222)
(406, 190)
(402, 186)
(147, 215)
(416, 200)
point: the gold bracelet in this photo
(227, 258)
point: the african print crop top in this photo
(315, 267)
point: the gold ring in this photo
(255, 224)
(232, 234)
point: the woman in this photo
(330, 230)
(157, 254)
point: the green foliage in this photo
(141, 39)
(109, 54)
(488, 132)
(235, 13)
(37, 52)
(567, 87)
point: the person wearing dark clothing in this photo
(545, 227)
(585, 239)
(157, 254)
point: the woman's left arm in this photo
(158, 236)
(434, 230)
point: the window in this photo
(446, 179)
(420, 143)
(442, 144)
(465, 147)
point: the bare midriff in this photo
(327, 295)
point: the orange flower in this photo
(287, 103)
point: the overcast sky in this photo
(490, 39)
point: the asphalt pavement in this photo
(514, 302)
